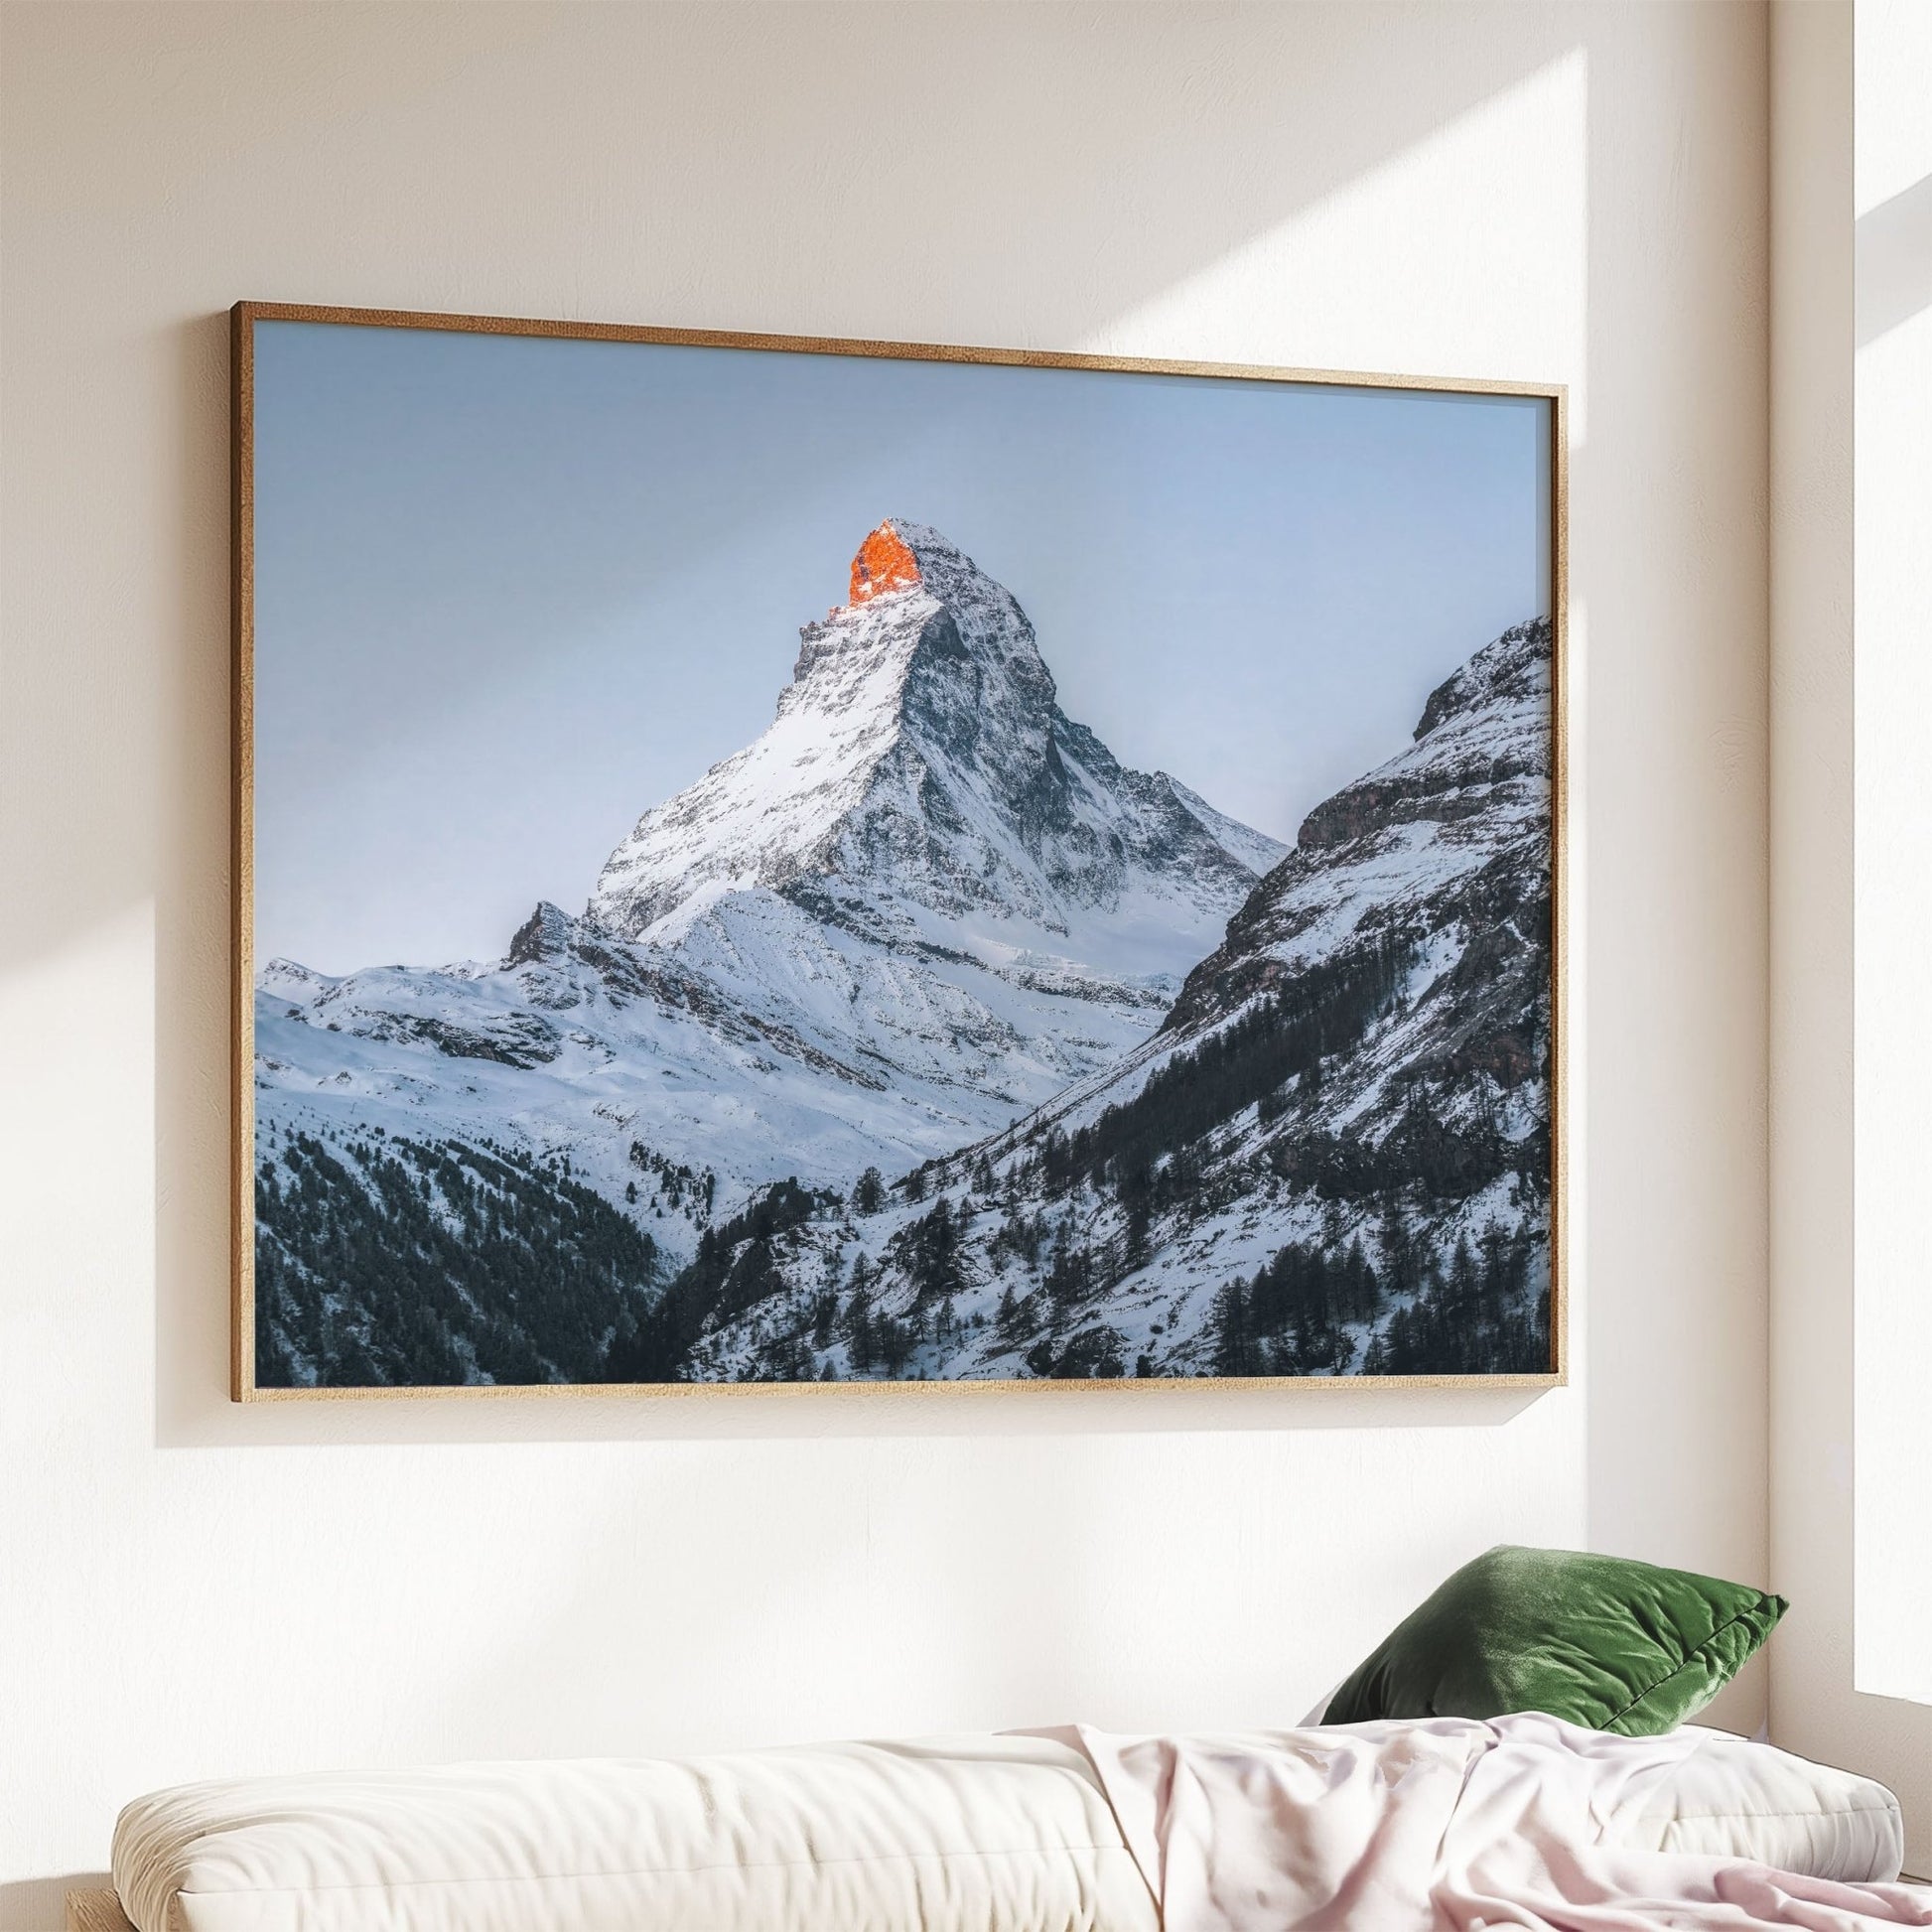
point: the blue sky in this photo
(513, 591)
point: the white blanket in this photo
(1452, 1823)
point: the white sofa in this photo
(978, 1833)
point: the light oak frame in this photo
(244, 318)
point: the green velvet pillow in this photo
(1594, 1640)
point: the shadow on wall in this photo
(1208, 136)
(779, 1414)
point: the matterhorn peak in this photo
(886, 562)
(900, 555)
(919, 759)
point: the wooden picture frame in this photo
(246, 1384)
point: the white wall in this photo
(1572, 192)
(1850, 1463)
(1892, 600)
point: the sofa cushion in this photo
(990, 1834)
(1735, 1799)
(969, 1834)
(1597, 1642)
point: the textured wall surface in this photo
(1574, 193)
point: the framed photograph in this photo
(766, 862)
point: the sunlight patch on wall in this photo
(1394, 258)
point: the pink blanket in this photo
(1418, 1826)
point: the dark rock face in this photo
(543, 935)
(521, 1040)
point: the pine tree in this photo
(1071, 1276)
(825, 1312)
(858, 1324)
(895, 1345)
(1136, 1192)
(1234, 1349)
(933, 1252)
(1401, 1252)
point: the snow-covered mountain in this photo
(923, 902)
(922, 788)
(1332, 1157)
